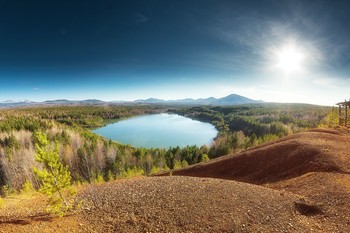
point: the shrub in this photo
(332, 119)
(205, 158)
(8, 191)
(27, 188)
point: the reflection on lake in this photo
(159, 131)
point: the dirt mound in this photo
(314, 165)
(304, 187)
(293, 156)
(190, 204)
(331, 191)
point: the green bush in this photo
(27, 188)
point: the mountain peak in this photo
(232, 99)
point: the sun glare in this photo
(290, 59)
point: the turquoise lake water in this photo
(159, 131)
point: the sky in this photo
(271, 50)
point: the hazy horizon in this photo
(275, 51)
(134, 100)
(111, 100)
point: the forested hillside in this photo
(93, 158)
(244, 126)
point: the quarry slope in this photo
(300, 183)
(314, 165)
(318, 150)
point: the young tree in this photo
(332, 119)
(55, 178)
(205, 158)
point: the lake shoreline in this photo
(161, 130)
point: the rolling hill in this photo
(299, 183)
(289, 157)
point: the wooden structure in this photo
(343, 115)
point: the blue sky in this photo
(273, 50)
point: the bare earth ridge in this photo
(299, 183)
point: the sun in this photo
(290, 58)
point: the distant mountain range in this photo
(232, 99)
(225, 101)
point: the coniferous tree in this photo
(55, 179)
(332, 119)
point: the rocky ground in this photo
(300, 183)
(26, 213)
(189, 204)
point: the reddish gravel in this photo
(300, 183)
(190, 204)
(292, 156)
(331, 192)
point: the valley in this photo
(175, 116)
(252, 178)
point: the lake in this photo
(159, 131)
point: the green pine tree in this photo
(55, 179)
(332, 119)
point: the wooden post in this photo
(339, 117)
(346, 114)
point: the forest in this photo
(92, 158)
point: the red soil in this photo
(292, 156)
(300, 183)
